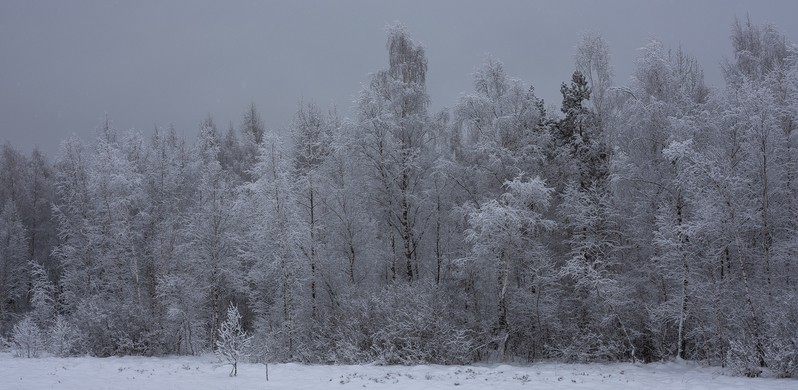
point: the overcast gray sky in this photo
(63, 64)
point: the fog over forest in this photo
(642, 220)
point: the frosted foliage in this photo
(13, 258)
(655, 220)
(43, 295)
(592, 59)
(27, 338)
(63, 338)
(406, 59)
(233, 340)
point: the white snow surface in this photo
(204, 372)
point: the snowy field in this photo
(202, 372)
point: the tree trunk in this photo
(407, 233)
(502, 325)
(312, 252)
(685, 275)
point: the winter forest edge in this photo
(650, 221)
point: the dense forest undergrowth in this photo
(643, 221)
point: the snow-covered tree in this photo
(212, 236)
(661, 221)
(27, 338)
(253, 135)
(233, 340)
(170, 183)
(498, 131)
(13, 264)
(505, 232)
(42, 295)
(311, 133)
(592, 59)
(277, 267)
(666, 105)
(393, 121)
(62, 337)
(350, 225)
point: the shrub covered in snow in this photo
(63, 338)
(27, 338)
(233, 341)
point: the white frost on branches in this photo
(233, 340)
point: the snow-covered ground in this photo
(203, 372)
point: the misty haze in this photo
(366, 194)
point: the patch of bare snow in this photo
(205, 372)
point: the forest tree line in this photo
(646, 221)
